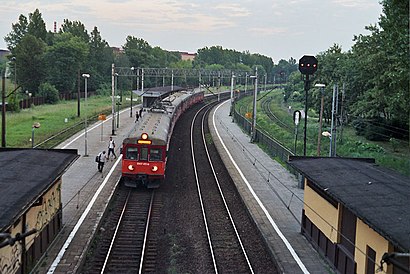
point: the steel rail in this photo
(223, 196)
(146, 232)
(199, 190)
(115, 233)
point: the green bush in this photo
(104, 89)
(49, 92)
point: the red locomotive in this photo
(144, 155)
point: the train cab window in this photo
(144, 154)
(155, 154)
(132, 153)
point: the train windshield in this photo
(155, 154)
(132, 153)
(144, 154)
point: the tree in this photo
(36, 26)
(49, 92)
(283, 69)
(64, 59)
(19, 29)
(76, 28)
(139, 52)
(100, 59)
(30, 62)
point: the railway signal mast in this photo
(307, 66)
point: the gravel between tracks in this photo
(182, 243)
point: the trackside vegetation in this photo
(393, 153)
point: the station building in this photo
(356, 214)
(30, 190)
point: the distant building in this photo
(355, 212)
(187, 56)
(117, 50)
(4, 53)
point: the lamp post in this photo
(253, 136)
(118, 103)
(35, 125)
(15, 71)
(246, 83)
(232, 96)
(112, 99)
(85, 76)
(319, 136)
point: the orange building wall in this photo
(366, 236)
(323, 214)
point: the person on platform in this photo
(111, 147)
(101, 160)
(137, 116)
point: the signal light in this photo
(154, 168)
(144, 136)
(308, 65)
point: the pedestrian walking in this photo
(140, 114)
(111, 147)
(101, 158)
(137, 116)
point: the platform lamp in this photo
(117, 97)
(137, 73)
(233, 76)
(85, 76)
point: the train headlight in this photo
(154, 168)
(130, 167)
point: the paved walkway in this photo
(270, 192)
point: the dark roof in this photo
(158, 91)
(378, 196)
(25, 175)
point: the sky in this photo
(279, 29)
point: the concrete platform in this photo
(270, 192)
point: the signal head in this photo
(308, 64)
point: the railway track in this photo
(225, 217)
(266, 108)
(124, 243)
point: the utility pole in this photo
(342, 114)
(3, 110)
(332, 151)
(255, 95)
(319, 135)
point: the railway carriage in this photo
(144, 153)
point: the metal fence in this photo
(272, 146)
(28, 102)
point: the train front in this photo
(143, 161)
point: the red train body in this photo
(144, 153)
